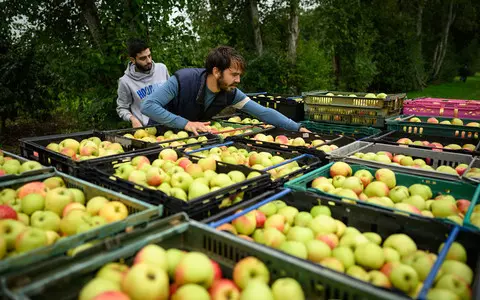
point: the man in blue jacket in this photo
(194, 95)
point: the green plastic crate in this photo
(138, 212)
(357, 132)
(7, 177)
(458, 189)
(401, 123)
(468, 216)
(176, 232)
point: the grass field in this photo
(453, 90)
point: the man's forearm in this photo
(270, 116)
(161, 115)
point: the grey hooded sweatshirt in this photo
(134, 87)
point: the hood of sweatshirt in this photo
(140, 76)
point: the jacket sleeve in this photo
(265, 114)
(124, 101)
(154, 105)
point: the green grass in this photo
(453, 90)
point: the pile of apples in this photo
(11, 166)
(298, 142)
(238, 119)
(435, 145)
(150, 135)
(317, 237)
(89, 148)
(179, 177)
(382, 189)
(369, 95)
(454, 121)
(386, 157)
(174, 274)
(39, 213)
(253, 159)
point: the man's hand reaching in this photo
(197, 127)
(302, 129)
(135, 122)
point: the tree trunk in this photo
(90, 15)
(293, 30)
(441, 49)
(419, 72)
(336, 69)
(256, 27)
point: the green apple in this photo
(236, 176)
(178, 193)
(391, 254)
(144, 281)
(301, 219)
(95, 204)
(402, 243)
(300, 234)
(287, 289)
(174, 256)
(32, 203)
(369, 255)
(259, 236)
(268, 209)
(404, 278)
(273, 237)
(45, 220)
(197, 189)
(54, 182)
(56, 200)
(422, 190)
(353, 240)
(455, 284)
(221, 180)
(249, 270)
(30, 166)
(70, 223)
(458, 268)
(377, 189)
(96, 287)
(113, 272)
(294, 248)
(415, 200)
(317, 250)
(456, 252)
(398, 193)
(78, 195)
(194, 267)
(373, 237)
(422, 264)
(323, 224)
(7, 195)
(441, 294)
(153, 255)
(289, 212)
(358, 272)
(257, 290)
(320, 210)
(345, 255)
(191, 292)
(333, 263)
(379, 279)
(10, 230)
(29, 239)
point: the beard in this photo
(144, 68)
(223, 86)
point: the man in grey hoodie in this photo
(141, 77)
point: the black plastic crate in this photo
(211, 138)
(287, 105)
(428, 234)
(392, 137)
(101, 172)
(240, 114)
(35, 148)
(8, 177)
(73, 273)
(329, 139)
(306, 163)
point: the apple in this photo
(458, 268)
(421, 190)
(97, 287)
(289, 212)
(224, 289)
(168, 154)
(29, 239)
(173, 257)
(402, 243)
(260, 218)
(323, 224)
(387, 176)
(71, 222)
(248, 270)
(178, 193)
(353, 183)
(35, 187)
(365, 176)
(287, 289)
(456, 252)
(114, 272)
(7, 212)
(417, 201)
(194, 267)
(197, 189)
(113, 211)
(300, 234)
(432, 120)
(207, 164)
(373, 237)
(369, 255)
(221, 180)
(95, 204)
(294, 248)
(345, 255)
(390, 254)
(71, 206)
(152, 255)
(398, 193)
(298, 142)
(333, 263)
(269, 209)
(273, 237)
(377, 189)
(340, 168)
(422, 264)
(32, 203)
(444, 208)
(45, 220)
(78, 195)
(455, 284)
(438, 293)
(29, 166)
(257, 290)
(246, 224)
(144, 281)
(57, 198)
(358, 272)
(404, 278)
(463, 205)
(379, 279)
(112, 295)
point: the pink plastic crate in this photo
(454, 108)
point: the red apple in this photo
(217, 271)
(224, 289)
(261, 218)
(463, 205)
(6, 212)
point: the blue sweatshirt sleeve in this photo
(262, 113)
(154, 105)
